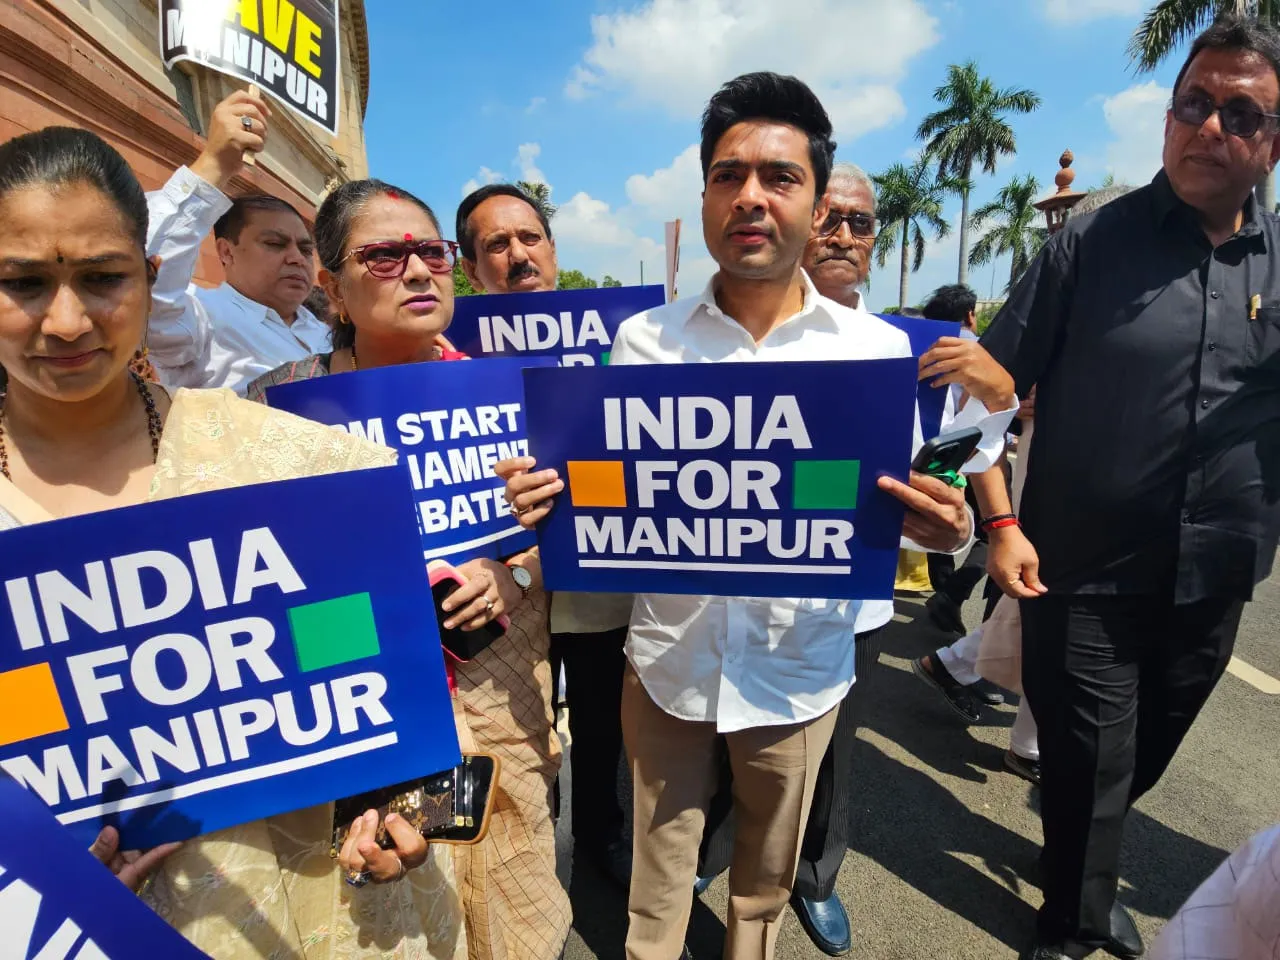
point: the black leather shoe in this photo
(987, 692)
(825, 922)
(1126, 941)
(614, 861)
(958, 698)
(1027, 769)
(1045, 951)
(945, 614)
(700, 884)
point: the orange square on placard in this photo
(29, 704)
(597, 483)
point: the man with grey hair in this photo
(838, 258)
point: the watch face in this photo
(522, 577)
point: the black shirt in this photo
(1155, 463)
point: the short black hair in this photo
(953, 302)
(232, 222)
(771, 96)
(60, 156)
(1231, 32)
(462, 225)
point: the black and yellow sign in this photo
(289, 48)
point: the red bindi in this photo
(393, 194)
(408, 237)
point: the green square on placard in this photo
(604, 358)
(825, 485)
(335, 631)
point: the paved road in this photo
(943, 858)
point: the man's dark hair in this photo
(462, 225)
(953, 302)
(232, 222)
(1231, 32)
(770, 96)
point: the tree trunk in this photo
(906, 250)
(962, 276)
(1013, 273)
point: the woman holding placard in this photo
(389, 276)
(80, 433)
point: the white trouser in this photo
(961, 661)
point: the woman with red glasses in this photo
(389, 276)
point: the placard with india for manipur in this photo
(186, 665)
(730, 479)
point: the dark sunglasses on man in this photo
(1240, 118)
(388, 259)
(861, 225)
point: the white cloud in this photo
(535, 105)
(480, 179)
(1082, 11)
(526, 161)
(676, 53)
(669, 192)
(1135, 118)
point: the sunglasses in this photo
(388, 259)
(860, 224)
(1238, 117)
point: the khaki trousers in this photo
(673, 764)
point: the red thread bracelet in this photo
(1002, 522)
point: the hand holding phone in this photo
(945, 455)
(462, 645)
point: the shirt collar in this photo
(1166, 202)
(260, 311)
(813, 304)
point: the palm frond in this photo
(1167, 26)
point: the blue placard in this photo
(57, 900)
(923, 335)
(186, 665)
(729, 479)
(576, 327)
(451, 423)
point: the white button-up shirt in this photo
(745, 662)
(218, 337)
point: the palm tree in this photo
(971, 129)
(540, 194)
(1170, 23)
(909, 196)
(1015, 228)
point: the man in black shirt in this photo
(1152, 329)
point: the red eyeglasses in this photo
(388, 259)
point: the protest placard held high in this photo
(289, 48)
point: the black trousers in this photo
(826, 835)
(593, 666)
(1114, 683)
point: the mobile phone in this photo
(461, 645)
(945, 455)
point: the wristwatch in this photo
(522, 577)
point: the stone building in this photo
(96, 64)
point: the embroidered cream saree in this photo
(269, 889)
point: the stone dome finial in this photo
(1066, 176)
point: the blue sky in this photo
(601, 101)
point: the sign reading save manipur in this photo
(289, 48)
(451, 423)
(576, 327)
(57, 901)
(186, 665)
(728, 479)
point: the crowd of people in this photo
(1126, 569)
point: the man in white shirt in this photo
(507, 247)
(255, 321)
(767, 674)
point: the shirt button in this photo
(1212, 346)
(1204, 404)
(1186, 516)
(1214, 294)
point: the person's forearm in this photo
(532, 562)
(991, 491)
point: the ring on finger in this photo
(246, 122)
(488, 605)
(359, 878)
(516, 511)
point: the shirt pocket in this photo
(1264, 336)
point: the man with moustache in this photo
(507, 247)
(838, 261)
(1151, 506)
(255, 321)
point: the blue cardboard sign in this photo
(451, 423)
(57, 900)
(923, 334)
(729, 479)
(576, 327)
(186, 665)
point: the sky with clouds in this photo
(601, 100)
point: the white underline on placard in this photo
(231, 779)
(467, 545)
(714, 567)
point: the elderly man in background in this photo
(507, 247)
(255, 321)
